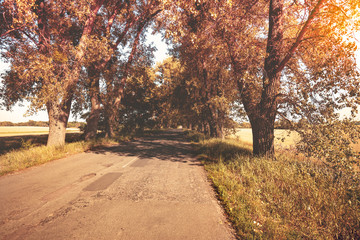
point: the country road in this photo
(151, 188)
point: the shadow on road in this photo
(169, 145)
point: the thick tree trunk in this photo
(93, 119)
(263, 136)
(58, 118)
(109, 123)
(92, 122)
(262, 112)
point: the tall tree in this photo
(46, 43)
(319, 25)
(124, 26)
(282, 54)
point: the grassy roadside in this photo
(33, 151)
(30, 155)
(287, 198)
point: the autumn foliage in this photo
(268, 60)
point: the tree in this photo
(263, 108)
(202, 96)
(282, 54)
(123, 31)
(63, 40)
(46, 43)
(139, 108)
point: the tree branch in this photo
(12, 30)
(300, 36)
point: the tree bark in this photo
(58, 118)
(110, 120)
(262, 114)
(94, 116)
(263, 135)
(92, 121)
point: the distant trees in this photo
(39, 124)
(197, 97)
(29, 123)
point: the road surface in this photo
(151, 188)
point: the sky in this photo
(18, 112)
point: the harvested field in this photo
(283, 138)
(20, 131)
(12, 138)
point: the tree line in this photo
(265, 60)
(32, 123)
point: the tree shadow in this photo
(169, 145)
(8, 144)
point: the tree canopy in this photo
(272, 60)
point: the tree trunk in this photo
(109, 123)
(262, 110)
(92, 122)
(93, 119)
(263, 136)
(58, 118)
(222, 132)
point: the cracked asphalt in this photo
(150, 188)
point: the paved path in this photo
(151, 188)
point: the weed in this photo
(26, 144)
(32, 156)
(195, 136)
(287, 198)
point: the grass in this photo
(28, 130)
(195, 136)
(12, 143)
(29, 155)
(21, 152)
(287, 198)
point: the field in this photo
(283, 138)
(12, 138)
(20, 131)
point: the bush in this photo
(332, 142)
(195, 136)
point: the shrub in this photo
(195, 136)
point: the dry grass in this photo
(30, 156)
(12, 143)
(26, 130)
(284, 139)
(20, 152)
(287, 198)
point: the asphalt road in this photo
(151, 188)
